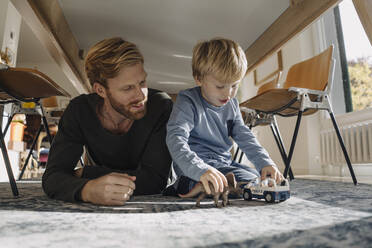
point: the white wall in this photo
(3, 11)
(306, 157)
(11, 32)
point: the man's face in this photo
(217, 93)
(127, 92)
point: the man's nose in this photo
(141, 93)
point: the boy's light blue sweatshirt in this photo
(198, 131)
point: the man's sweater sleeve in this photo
(180, 124)
(58, 180)
(249, 144)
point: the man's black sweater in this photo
(141, 152)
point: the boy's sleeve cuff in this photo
(261, 164)
(197, 176)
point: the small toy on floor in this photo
(233, 188)
(268, 190)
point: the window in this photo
(358, 51)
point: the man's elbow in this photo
(45, 182)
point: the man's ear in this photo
(99, 89)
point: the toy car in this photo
(268, 190)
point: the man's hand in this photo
(216, 178)
(273, 172)
(112, 189)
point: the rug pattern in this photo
(318, 214)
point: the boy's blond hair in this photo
(222, 58)
(105, 59)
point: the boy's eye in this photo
(220, 87)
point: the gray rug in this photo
(318, 214)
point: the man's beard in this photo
(125, 109)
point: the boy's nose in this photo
(228, 92)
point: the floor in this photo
(318, 214)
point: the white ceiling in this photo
(165, 29)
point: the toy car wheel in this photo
(269, 197)
(247, 195)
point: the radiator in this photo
(358, 142)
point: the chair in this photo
(305, 90)
(253, 118)
(24, 88)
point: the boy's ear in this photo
(99, 89)
(197, 81)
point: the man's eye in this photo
(127, 88)
(220, 87)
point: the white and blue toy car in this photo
(268, 190)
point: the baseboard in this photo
(343, 170)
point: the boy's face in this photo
(217, 93)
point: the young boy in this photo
(204, 119)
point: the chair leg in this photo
(343, 147)
(30, 152)
(291, 176)
(279, 143)
(293, 143)
(236, 154)
(45, 122)
(8, 124)
(241, 157)
(8, 166)
(47, 129)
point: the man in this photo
(122, 127)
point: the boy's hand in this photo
(216, 178)
(273, 172)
